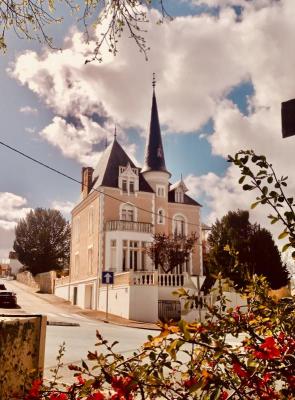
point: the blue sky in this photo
(220, 82)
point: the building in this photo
(121, 207)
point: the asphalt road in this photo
(78, 339)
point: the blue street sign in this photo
(107, 278)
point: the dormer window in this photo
(128, 179)
(179, 196)
(124, 185)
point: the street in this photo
(78, 339)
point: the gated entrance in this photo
(169, 310)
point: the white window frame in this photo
(128, 207)
(131, 177)
(90, 264)
(179, 196)
(76, 229)
(90, 220)
(175, 223)
(160, 190)
(76, 264)
(161, 216)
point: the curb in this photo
(61, 323)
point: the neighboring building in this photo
(121, 207)
(10, 266)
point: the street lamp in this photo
(288, 118)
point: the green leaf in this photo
(253, 205)
(248, 187)
(265, 190)
(84, 365)
(285, 247)
(241, 180)
(283, 235)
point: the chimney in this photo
(86, 181)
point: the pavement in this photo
(91, 314)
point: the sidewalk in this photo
(92, 314)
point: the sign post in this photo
(107, 278)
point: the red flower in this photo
(189, 382)
(80, 379)
(223, 395)
(123, 387)
(58, 396)
(269, 349)
(35, 389)
(239, 370)
(291, 380)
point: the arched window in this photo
(127, 212)
(161, 216)
(179, 225)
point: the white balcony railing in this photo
(143, 227)
(150, 278)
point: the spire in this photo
(154, 154)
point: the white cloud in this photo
(64, 207)
(12, 208)
(28, 110)
(198, 60)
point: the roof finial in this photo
(154, 81)
(115, 133)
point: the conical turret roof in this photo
(154, 152)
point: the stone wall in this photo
(22, 348)
(27, 279)
(43, 282)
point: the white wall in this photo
(144, 303)
(62, 291)
(119, 300)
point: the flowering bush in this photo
(200, 360)
(196, 360)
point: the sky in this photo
(222, 67)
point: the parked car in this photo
(2, 286)
(7, 299)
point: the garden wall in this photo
(22, 347)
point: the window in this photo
(179, 196)
(131, 187)
(124, 185)
(90, 260)
(127, 212)
(77, 229)
(90, 221)
(133, 256)
(76, 264)
(160, 216)
(113, 254)
(179, 225)
(128, 180)
(160, 191)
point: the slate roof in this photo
(186, 199)
(154, 153)
(106, 172)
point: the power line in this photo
(81, 183)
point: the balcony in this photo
(131, 226)
(150, 278)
